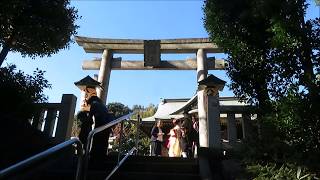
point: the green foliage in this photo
(118, 109)
(289, 135)
(144, 112)
(269, 44)
(275, 172)
(20, 91)
(298, 123)
(130, 129)
(273, 55)
(36, 28)
(129, 140)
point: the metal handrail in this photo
(121, 162)
(90, 138)
(14, 169)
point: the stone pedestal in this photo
(214, 127)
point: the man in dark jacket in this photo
(99, 112)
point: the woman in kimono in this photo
(174, 139)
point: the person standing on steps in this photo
(156, 139)
(174, 139)
(184, 141)
(99, 113)
(194, 136)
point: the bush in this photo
(273, 171)
(288, 143)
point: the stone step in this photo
(135, 166)
(160, 167)
(152, 158)
(140, 162)
(127, 175)
(155, 176)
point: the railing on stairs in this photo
(83, 160)
(90, 139)
(15, 169)
(121, 162)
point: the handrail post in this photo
(79, 164)
(90, 137)
(87, 155)
(120, 141)
(120, 163)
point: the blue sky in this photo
(129, 20)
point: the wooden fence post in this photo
(66, 115)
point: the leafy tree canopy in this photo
(20, 92)
(274, 60)
(36, 28)
(144, 112)
(118, 109)
(270, 46)
(130, 129)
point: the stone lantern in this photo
(213, 83)
(209, 124)
(88, 87)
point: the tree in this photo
(129, 129)
(274, 55)
(36, 28)
(118, 109)
(270, 46)
(129, 140)
(20, 92)
(144, 112)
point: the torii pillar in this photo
(104, 74)
(202, 73)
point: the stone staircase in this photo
(135, 167)
(162, 168)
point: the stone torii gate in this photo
(152, 50)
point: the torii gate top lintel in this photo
(184, 45)
(83, 39)
(152, 50)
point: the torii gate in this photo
(152, 50)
